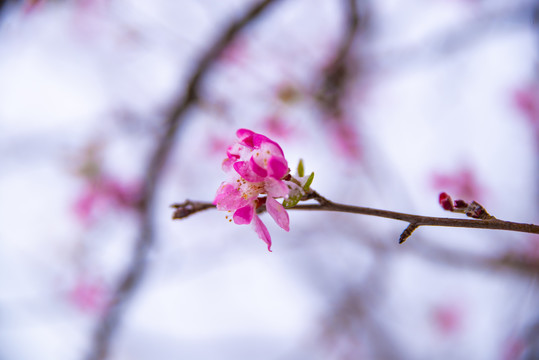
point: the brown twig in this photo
(188, 208)
(419, 220)
(137, 267)
(407, 232)
(414, 221)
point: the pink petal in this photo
(229, 197)
(278, 213)
(275, 188)
(227, 164)
(266, 144)
(253, 140)
(262, 231)
(245, 171)
(259, 140)
(245, 137)
(277, 167)
(223, 191)
(244, 215)
(233, 152)
(257, 169)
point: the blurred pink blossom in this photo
(235, 53)
(216, 145)
(30, 6)
(447, 318)
(346, 139)
(527, 101)
(461, 183)
(89, 295)
(278, 126)
(255, 165)
(513, 349)
(103, 195)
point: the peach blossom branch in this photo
(414, 221)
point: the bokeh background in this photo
(388, 102)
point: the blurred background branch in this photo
(106, 327)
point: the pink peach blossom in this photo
(256, 166)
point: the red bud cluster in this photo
(473, 210)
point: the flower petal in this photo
(233, 151)
(275, 188)
(229, 197)
(227, 164)
(257, 169)
(265, 144)
(277, 167)
(262, 231)
(278, 213)
(244, 215)
(245, 171)
(245, 137)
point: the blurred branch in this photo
(518, 263)
(355, 315)
(137, 267)
(337, 73)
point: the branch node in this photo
(477, 211)
(407, 232)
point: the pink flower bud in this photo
(446, 202)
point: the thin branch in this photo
(512, 261)
(415, 221)
(188, 208)
(137, 267)
(336, 75)
(407, 232)
(418, 220)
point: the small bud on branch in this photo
(407, 232)
(446, 202)
(473, 210)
